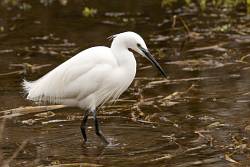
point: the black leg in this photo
(97, 129)
(83, 125)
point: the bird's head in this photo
(135, 42)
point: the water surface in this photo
(199, 116)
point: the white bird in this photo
(92, 77)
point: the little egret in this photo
(92, 77)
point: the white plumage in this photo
(91, 77)
(86, 80)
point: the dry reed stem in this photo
(27, 110)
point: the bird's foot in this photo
(104, 140)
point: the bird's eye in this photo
(139, 45)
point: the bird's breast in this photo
(117, 82)
(111, 78)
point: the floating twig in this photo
(217, 47)
(27, 110)
(74, 164)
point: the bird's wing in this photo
(76, 78)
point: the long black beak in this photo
(153, 61)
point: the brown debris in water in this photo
(27, 110)
(73, 164)
(244, 59)
(26, 69)
(6, 162)
(228, 158)
(217, 47)
(174, 98)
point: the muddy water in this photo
(199, 116)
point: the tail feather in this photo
(33, 91)
(29, 88)
(26, 86)
(39, 92)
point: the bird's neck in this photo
(124, 57)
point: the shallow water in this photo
(199, 116)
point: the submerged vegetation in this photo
(87, 12)
(26, 5)
(203, 4)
